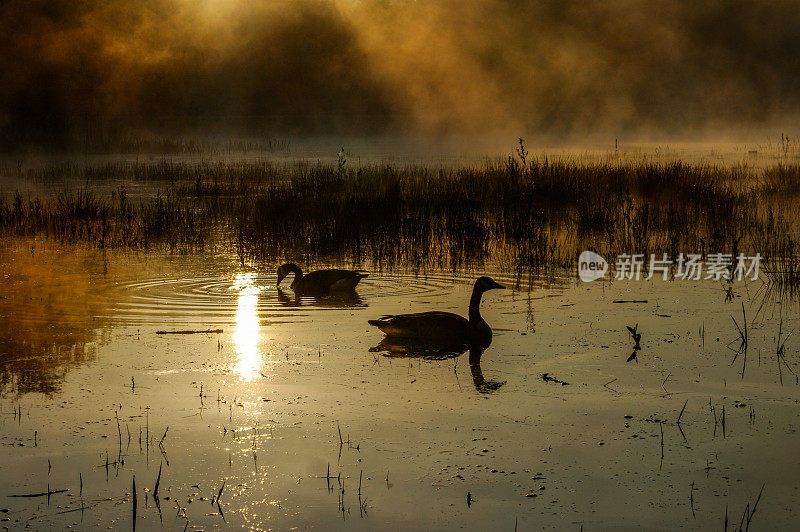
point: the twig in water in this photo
(163, 437)
(42, 494)
(714, 414)
(681, 414)
(606, 385)
(637, 336)
(723, 420)
(209, 331)
(158, 481)
(703, 334)
(219, 493)
(134, 503)
(753, 512)
(743, 340)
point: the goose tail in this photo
(383, 321)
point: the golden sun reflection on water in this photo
(247, 333)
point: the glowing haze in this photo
(304, 67)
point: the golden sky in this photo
(326, 67)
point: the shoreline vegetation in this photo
(532, 216)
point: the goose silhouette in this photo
(443, 327)
(321, 281)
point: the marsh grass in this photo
(79, 215)
(533, 216)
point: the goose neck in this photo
(474, 306)
(298, 273)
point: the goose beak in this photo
(281, 277)
(497, 285)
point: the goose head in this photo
(482, 284)
(486, 283)
(286, 269)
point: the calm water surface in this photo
(301, 423)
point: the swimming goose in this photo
(443, 326)
(321, 281)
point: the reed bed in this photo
(532, 216)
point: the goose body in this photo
(321, 281)
(443, 327)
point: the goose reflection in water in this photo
(343, 299)
(393, 347)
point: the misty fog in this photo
(558, 70)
